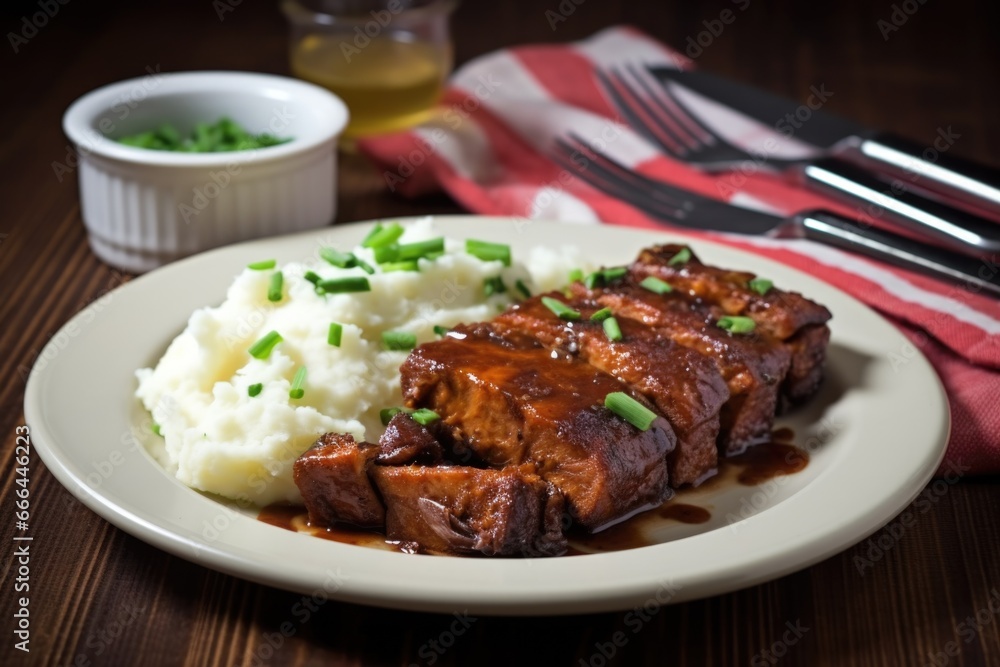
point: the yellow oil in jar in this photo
(387, 85)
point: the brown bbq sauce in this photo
(755, 466)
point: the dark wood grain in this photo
(102, 597)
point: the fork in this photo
(668, 203)
(659, 116)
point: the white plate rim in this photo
(782, 539)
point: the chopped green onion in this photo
(629, 409)
(386, 414)
(375, 230)
(408, 265)
(399, 340)
(348, 284)
(654, 284)
(593, 280)
(275, 288)
(487, 251)
(494, 285)
(335, 333)
(386, 253)
(383, 236)
(563, 311)
(262, 265)
(262, 348)
(254, 389)
(297, 390)
(575, 275)
(364, 266)
(602, 314)
(683, 255)
(420, 249)
(423, 416)
(736, 324)
(312, 277)
(522, 288)
(611, 329)
(614, 273)
(760, 285)
(440, 330)
(320, 291)
(155, 428)
(344, 260)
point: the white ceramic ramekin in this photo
(144, 208)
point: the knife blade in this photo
(929, 167)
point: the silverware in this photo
(656, 113)
(930, 168)
(671, 204)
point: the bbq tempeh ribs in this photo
(524, 446)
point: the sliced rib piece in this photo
(752, 366)
(511, 401)
(681, 383)
(459, 509)
(787, 316)
(333, 479)
(405, 441)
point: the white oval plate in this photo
(875, 435)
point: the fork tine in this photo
(657, 112)
(611, 168)
(632, 109)
(599, 178)
(676, 109)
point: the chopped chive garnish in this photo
(364, 266)
(654, 284)
(262, 265)
(595, 279)
(344, 260)
(683, 255)
(386, 414)
(575, 275)
(349, 284)
(408, 265)
(522, 288)
(375, 230)
(262, 348)
(399, 340)
(155, 428)
(420, 249)
(494, 285)
(312, 277)
(275, 288)
(297, 390)
(563, 311)
(487, 251)
(383, 236)
(736, 324)
(602, 314)
(386, 253)
(614, 273)
(320, 291)
(254, 389)
(440, 330)
(760, 285)
(629, 409)
(335, 333)
(424, 416)
(612, 330)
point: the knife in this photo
(929, 167)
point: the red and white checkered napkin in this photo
(487, 148)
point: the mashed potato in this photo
(219, 439)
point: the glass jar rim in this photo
(299, 12)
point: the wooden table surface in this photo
(99, 596)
